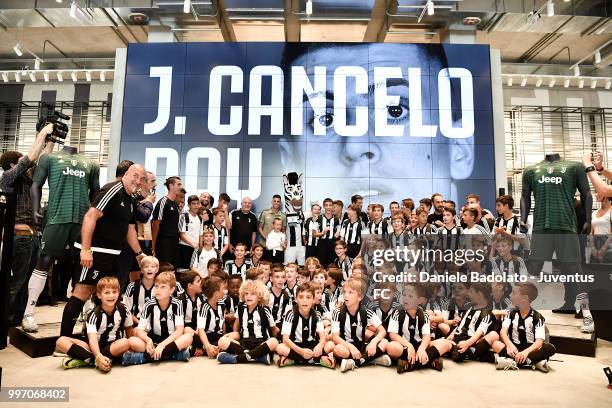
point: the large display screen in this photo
(386, 121)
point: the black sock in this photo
(481, 347)
(504, 353)
(78, 352)
(432, 353)
(543, 353)
(404, 355)
(169, 350)
(295, 357)
(234, 348)
(70, 315)
(365, 359)
(259, 351)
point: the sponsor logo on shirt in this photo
(71, 172)
(550, 180)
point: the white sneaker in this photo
(588, 326)
(29, 323)
(505, 363)
(347, 364)
(542, 366)
(383, 360)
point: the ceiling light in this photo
(608, 83)
(309, 8)
(566, 83)
(597, 57)
(60, 77)
(37, 63)
(550, 8)
(581, 83)
(552, 82)
(538, 82)
(5, 77)
(510, 79)
(46, 76)
(576, 70)
(58, 1)
(524, 81)
(17, 76)
(187, 6)
(103, 76)
(73, 9)
(88, 76)
(32, 76)
(430, 7)
(17, 49)
(593, 83)
(73, 75)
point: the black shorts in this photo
(166, 250)
(156, 339)
(274, 256)
(307, 344)
(352, 250)
(312, 250)
(103, 265)
(105, 350)
(565, 245)
(213, 338)
(185, 254)
(56, 237)
(250, 344)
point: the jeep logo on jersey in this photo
(552, 180)
(71, 172)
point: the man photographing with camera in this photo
(17, 179)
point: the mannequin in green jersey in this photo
(553, 183)
(73, 182)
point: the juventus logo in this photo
(551, 170)
(74, 162)
(95, 274)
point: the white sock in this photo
(583, 300)
(37, 283)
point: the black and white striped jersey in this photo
(351, 232)
(211, 319)
(412, 328)
(525, 330)
(382, 228)
(302, 329)
(293, 231)
(221, 237)
(255, 325)
(191, 308)
(350, 327)
(311, 225)
(384, 316)
(292, 291)
(449, 238)
(401, 240)
(231, 268)
(279, 304)
(499, 266)
(427, 229)
(332, 223)
(503, 304)
(436, 304)
(453, 309)
(136, 295)
(512, 226)
(109, 327)
(474, 320)
(230, 303)
(161, 322)
(331, 298)
(346, 266)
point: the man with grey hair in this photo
(244, 225)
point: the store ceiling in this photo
(521, 29)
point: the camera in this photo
(60, 129)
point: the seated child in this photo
(140, 292)
(231, 301)
(455, 308)
(160, 332)
(304, 338)
(253, 338)
(349, 324)
(211, 319)
(523, 334)
(280, 299)
(107, 327)
(320, 307)
(191, 300)
(410, 334)
(384, 303)
(332, 295)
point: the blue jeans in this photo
(25, 255)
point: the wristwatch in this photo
(589, 169)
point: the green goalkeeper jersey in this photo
(554, 187)
(70, 177)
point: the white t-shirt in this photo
(274, 239)
(200, 261)
(602, 225)
(192, 226)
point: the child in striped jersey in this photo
(343, 261)
(253, 338)
(312, 265)
(108, 326)
(384, 302)
(265, 267)
(291, 273)
(239, 265)
(231, 301)
(303, 276)
(303, 333)
(455, 308)
(257, 252)
(350, 323)
(409, 331)
(320, 307)
(191, 300)
(474, 335)
(332, 294)
(280, 299)
(210, 320)
(141, 291)
(523, 334)
(160, 333)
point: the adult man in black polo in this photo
(435, 217)
(108, 223)
(164, 226)
(244, 225)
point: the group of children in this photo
(312, 315)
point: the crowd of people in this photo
(181, 277)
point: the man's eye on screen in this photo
(397, 113)
(326, 119)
